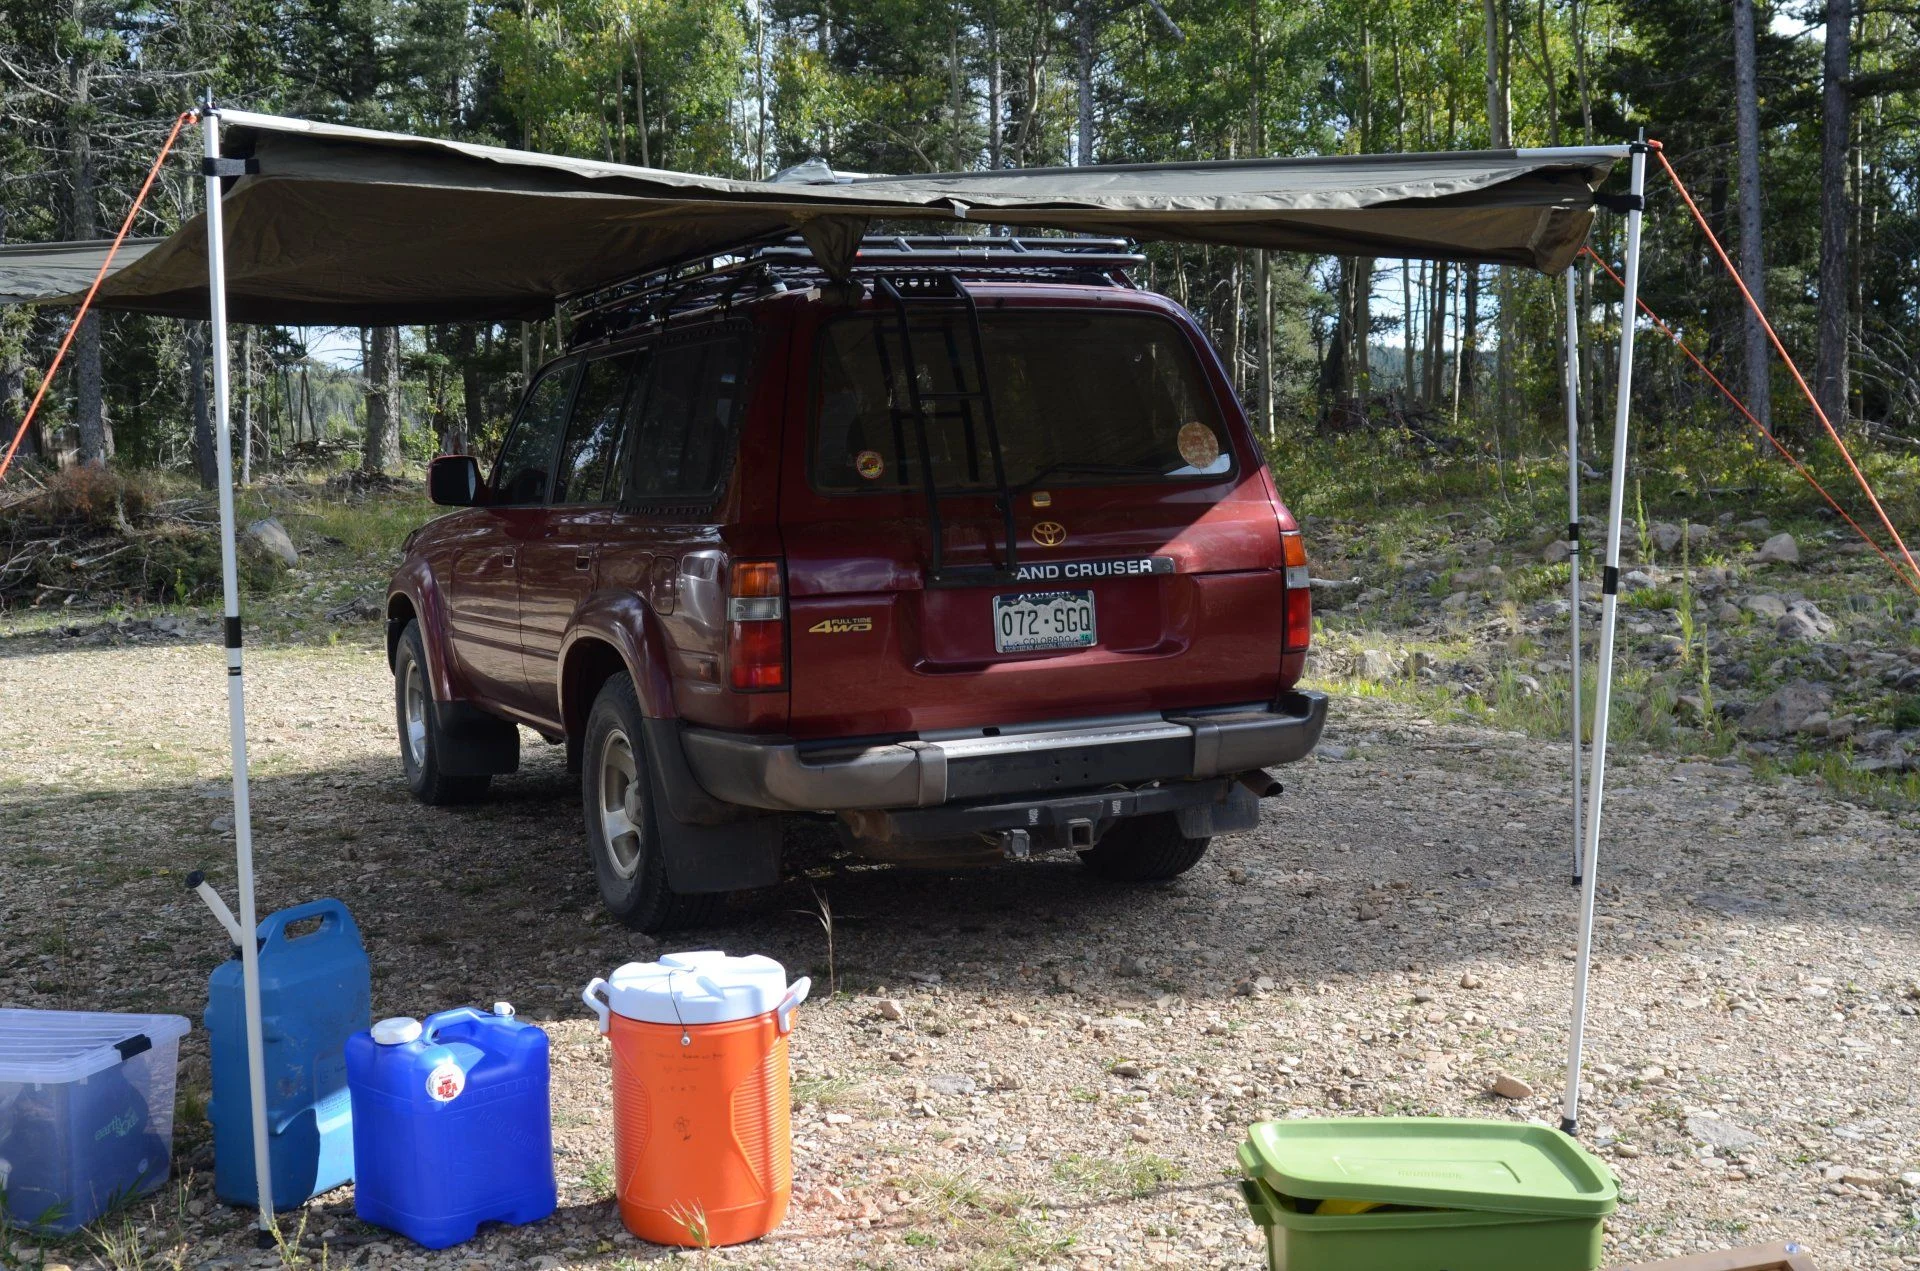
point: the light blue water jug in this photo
(451, 1124)
(315, 992)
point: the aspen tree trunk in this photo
(1406, 278)
(472, 405)
(1363, 275)
(1436, 332)
(1830, 369)
(1590, 377)
(1500, 137)
(1262, 277)
(381, 453)
(620, 111)
(1469, 336)
(1236, 362)
(205, 462)
(958, 159)
(89, 408)
(995, 87)
(246, 405)
(640, 99)
(1752, 259)
(1083, 41)
(760, 90)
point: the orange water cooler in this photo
(702, 1144)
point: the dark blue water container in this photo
(315, 992)
(451, 1124)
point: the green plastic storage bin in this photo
(1452, 1195)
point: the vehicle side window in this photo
(689, 420)
(593, 436)
(525, 467)
(620, 475)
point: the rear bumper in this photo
(1054, 758)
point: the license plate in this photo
(1034, 620)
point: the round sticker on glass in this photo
(446, 1081)
(1199, 446)
(870, 465)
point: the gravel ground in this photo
(1075, 1061)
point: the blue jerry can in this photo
(451, 1124)
(315, 992)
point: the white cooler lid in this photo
(697, 988)
(52, 1047)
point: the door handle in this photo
(507, 560)
(583, 560)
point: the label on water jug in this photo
(446, 1081)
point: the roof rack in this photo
(780, 265)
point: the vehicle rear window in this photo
(1077, 398)
(688, 419)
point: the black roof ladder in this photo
(924, 304)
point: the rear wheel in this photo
(1144, 849)
(422, 740)
(623, 830)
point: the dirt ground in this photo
(1077, 1060)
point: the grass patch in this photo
(364, 524)
(1135, 1174)
(598, 1178)
(1893, 792)
(828, 1092)
(993, 1231)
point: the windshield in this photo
(1079, 398)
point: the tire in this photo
(1145, 849)
(422, 740)
(623, 829)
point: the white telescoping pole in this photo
(1573, 539)
(236, 688)
(1609, 603)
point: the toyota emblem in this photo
(1049, 533)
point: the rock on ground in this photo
(1786, 710)
(1778, 550)
(274, 540)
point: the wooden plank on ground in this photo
(1784, 1256)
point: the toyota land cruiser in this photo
(972, 554)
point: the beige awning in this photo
(344, 225)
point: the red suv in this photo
(972, 555)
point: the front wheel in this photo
(1145, 849)
(623, 829)
(422, 739)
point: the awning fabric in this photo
(344, 225)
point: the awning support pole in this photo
(1609, 604)
(236, 689)
(1573, 539)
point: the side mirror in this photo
(454, 481)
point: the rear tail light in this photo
(1299, 595)
(756, 627)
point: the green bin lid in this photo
(1433, 1162)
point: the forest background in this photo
(1795, 124)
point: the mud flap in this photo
(1240, 810)
(706, 845)
(472, 743)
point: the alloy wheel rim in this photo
(621, 805)
(414, 726)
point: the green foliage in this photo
(916, 85)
